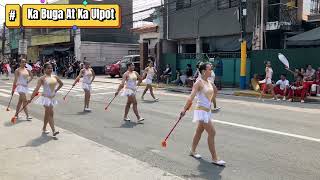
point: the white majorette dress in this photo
(49, 87)
(268, 79)
(202, 110)
(150, 75)
(22, 83)
(131, 85)
(86, 81)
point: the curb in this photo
(256, 94)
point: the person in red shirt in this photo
(297, 89)
(317, 81)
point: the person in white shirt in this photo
(267, 82)
(281, 87)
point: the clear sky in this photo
(137, 6)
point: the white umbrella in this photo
(283, 59)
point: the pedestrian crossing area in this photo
(98, 89)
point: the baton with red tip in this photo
(110, 103)
(14, 88)
(14, 118)
(64, 98)
(164, 142)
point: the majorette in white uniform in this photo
(202, 110)
(131, 85)
(268, 79)
(86, 81)
(150, 75)
(22, 83)
(49, 87)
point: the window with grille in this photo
(181, 4)
(315, 7)
(225, 4)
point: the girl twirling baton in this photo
(204, 91)
(268, 80)
(129, 83)
(149, 73)
(22, 77)
(88, 76)
(49, 83)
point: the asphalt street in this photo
(258, 140)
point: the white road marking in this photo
(268, 131)
(6, 91)
(4, 95)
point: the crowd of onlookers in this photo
(66, 67)
(306, 82)
(188, 76)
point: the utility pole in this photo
(243, 22)
(261, 24)
(3, 39)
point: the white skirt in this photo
(268, 81)
(86, 87)
(203, 116)
(45, 101)
(128, 92)
(147, 81)
(22, 89)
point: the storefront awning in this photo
(309, 38)
(62, 49)
(48, 51)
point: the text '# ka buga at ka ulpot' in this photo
(72, 14)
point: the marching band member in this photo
(149, 73)
(51, 85)
(203, 90)
(22, 77)
(129, 83)
(88, 76)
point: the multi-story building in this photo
(314, 15)
(99, 46)
(213, 25)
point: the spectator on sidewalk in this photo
(166, 73)
(297, 89)
(189, 75)
(309, 74)
(281, 87)
(177, 81)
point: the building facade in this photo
(99, 46)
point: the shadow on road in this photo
(209, 171)
(39, 141)
(148, 101)
(9, 124)
(82, 113)
(129, 124)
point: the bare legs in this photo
(48, 118)
(22, 102)
(211, 134)
(131, 100)
(87, 95)
(148, 87)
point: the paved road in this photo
(258, 140)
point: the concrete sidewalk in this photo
(27, 154)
